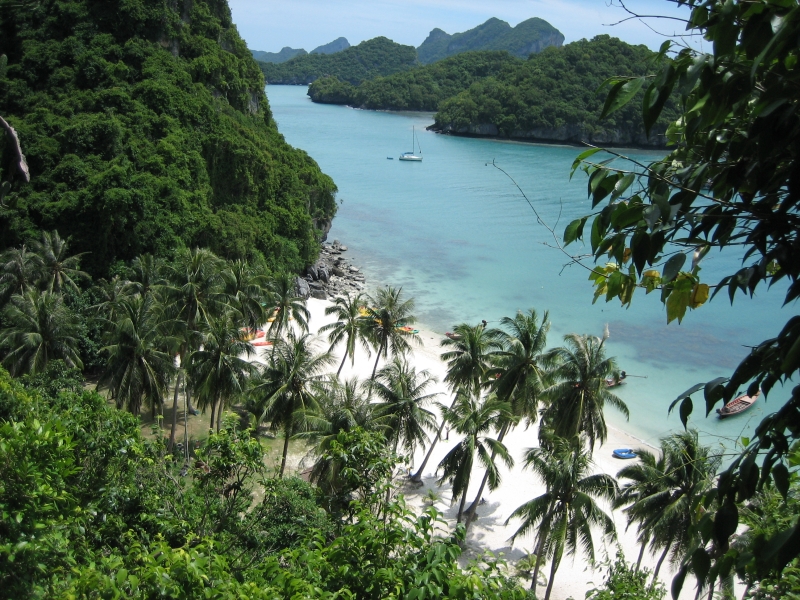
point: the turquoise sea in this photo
(459, 237)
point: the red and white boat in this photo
(738, 405)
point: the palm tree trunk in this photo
(539, 561)
(553, 568)
(213, 413)
(286, 436)
(377, 358)
(344, 358)
(219, 413)
(641, 553)
(463, 502)
(174, 413)
(417, 477)
(658, 564)
(474, 506)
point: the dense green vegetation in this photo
(729, 184)
(376, 57)
(528, 37)
(421, 88)
(277, 57)
(146, 129)
(554, 95)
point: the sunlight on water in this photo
(460, 238)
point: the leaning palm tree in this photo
(402, 395)
(17, 272)
(54, 268)
(247, 291)
(580, 394)
(475, 420)
(468, 355)
(666, 510)
(349, 326)
(140, 354)
(343, 406)
(40, 328)
(386, 316)
(565, 515)
(288, 387)
(287, 305)
(217, 373)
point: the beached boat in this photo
(738, 405)
(453, 336)
(261, 343)
(624, 453)
(407, 329)
(414, 144)
(617, 380)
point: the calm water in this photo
(460, 238)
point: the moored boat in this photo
(738, 405)
(453, 336)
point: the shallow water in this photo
(459, 237)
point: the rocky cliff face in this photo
(568, 134)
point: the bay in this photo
(461, 238)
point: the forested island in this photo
(552, 96)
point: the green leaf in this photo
(686, 410)
(701, 563)
(574, 230)
(713, 392)
(673, 267)
(780, 475)
(622, 184)
(677, 582)
(620, 94)
(580, 158)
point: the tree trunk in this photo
(641, 553)
(658, 564)
(344, 358)
(213, 413)
(539, 561)
(286, 436)
(474, 506)
(417, 477)
(553, 568)
(463, 502)
(219, 414)
(174, 413)
(377, 358)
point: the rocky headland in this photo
(332, 275)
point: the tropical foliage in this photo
(146, 129)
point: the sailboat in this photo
(414, 144)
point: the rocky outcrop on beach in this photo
(332, 275)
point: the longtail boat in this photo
(738, 405)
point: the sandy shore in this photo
(489, 532)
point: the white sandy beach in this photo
(489, 532)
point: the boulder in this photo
(322, 273)
(311, 270)
(319, 294)
(302, 288)
(337, 271)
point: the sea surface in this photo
(460, 237)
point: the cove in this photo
(459, 237)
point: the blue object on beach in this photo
(624, 453)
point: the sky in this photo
(270, 25)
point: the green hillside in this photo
(146, 128)
(528, 37)
(421, 88)
(369, 59)
(554, 96)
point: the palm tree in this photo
(402, 393)
(566, 513)
(348, 327)
(343, 406)
(580, 393)
(146, 275)
(521, 367)
(216, 371)
(664, 500)
(289, 386)
(140, 360)
(475, 420)
(247, 290)
(468, 361)
(287, 305)
(386, 316)
(17, 272)
(55, 269)
(40, 328)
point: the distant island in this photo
(551, 96)
(528, 37)
(288, 53)
(373, 58)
